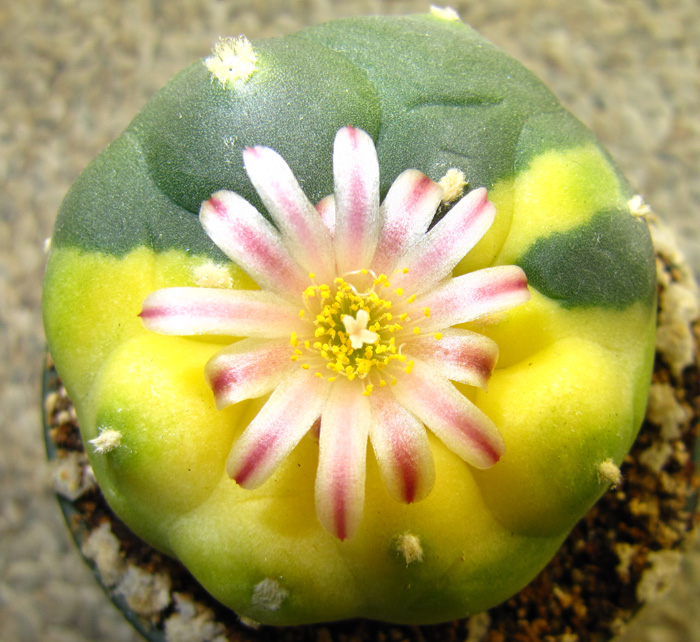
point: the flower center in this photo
(354, 329)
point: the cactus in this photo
(377, 231)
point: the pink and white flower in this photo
(353, 330)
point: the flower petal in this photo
(249, 240)
(459, 355)
(340, 480)
(248, 369)
(356, 179)
(408, 209)
(326, 210)
(276, 429)
(402, 449)
(234, 313)
(303, 232)
(459, 424)
(472, 296)
(437, 253)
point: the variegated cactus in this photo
(308, 245)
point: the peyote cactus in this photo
(233, 337)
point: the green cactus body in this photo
(568, 393)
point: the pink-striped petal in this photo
(248, 369)
(471, 296)
(340, 480)
(458, 355)
(356, 178)
(279, 426)
(303, 233)
(326, 210)
(234, 313)
(408, 209)
(436, 254)
(402, 449)
(249, 240)
(457, 422)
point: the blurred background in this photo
(73, 73)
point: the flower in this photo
(352, 329)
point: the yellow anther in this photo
(368, 390)
(438, 335)
(416, 331)
(409, 367)
(294, 357)
(426, 312)
(353, 328)
(312, 275)
(412, 298)
(405, 270)
(332, 379)
(382, 383)
(301, 313)
(318, 374)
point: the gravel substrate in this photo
(73, 74)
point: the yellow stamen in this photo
(352, 329)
